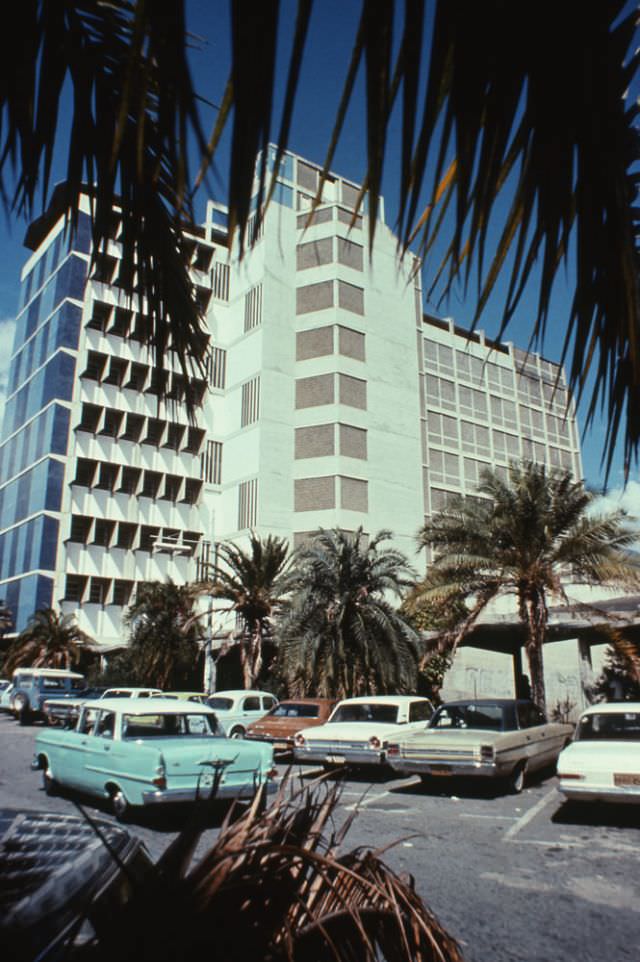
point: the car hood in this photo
(598, 755)
(352, 731)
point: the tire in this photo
(119, 805)
(515, 781)
(49, 783)
(21, 709)
(237, 732)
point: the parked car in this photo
(65, 709)
(236, 709)
(358, 728)
(5, 697)
(56, 873)
(33, 686)
(499, 738)
(142, 752)
(280, 725)
(603, 762)
(197, 696)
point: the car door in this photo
(98, 747)
(71, 769)
(250, 709)
(537, 742)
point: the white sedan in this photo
(602, 764)
(357, 731)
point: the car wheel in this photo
(237, 732)
(515, 781)
(21, 709)
(119, 805)
(49, 783)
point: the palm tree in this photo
(254, 584)
(50, 640)
(542, 110)
(165, 638)
(528, 536)
(342, 636)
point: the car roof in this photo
(383, 699)
(612, 707)
(145, 706)
(238, 692)
(308, 701)
(502, 702)
(48, 671)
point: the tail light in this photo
(393, 749)
(375, 743)
(160, 779)
(487, 753)
(300, 742)
(272, 772)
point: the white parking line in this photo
(496, 818)
(530, 815)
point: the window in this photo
(216, 368)
(121, 322)
(137, 377)
(192, 489)
(475, 438)
(104, 267)
(253, 308)
(442, 429)
(473, 403)
(248, 504)
(133, 427)
(148, 536)
(503, 413)
(122, 591)
(80, 528)
(130, 480)
(90, 418)
(141, 329)
(221, 281)
(85, 472)
(441, 393)
(473, 471)
(195, 437)
(178, 387)
(420, 711)
(154, 433)
(211, 463)
(117, 371)
(174, 436)
(500, 378)
(470, 368)
(126, 535)
(103, 532)
(529, 389)
(350, 297)
(251, 704)
(531, 422)
(112, 421)
(314, 253)
(171, 491)
(202, 258)
(95, 366)
(506, 447)
(438, 357)
(444, 468)
(151, 484)
(107, 476)
(100, 316)
(250, 402)
(157, 382)
(75, 587)
(98, 591)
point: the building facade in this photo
(331, 400)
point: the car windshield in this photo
(220, 704)
(168, 725)
(290, 709)
(484, 717)
(609, 726)
(77, 684)
(366, 712)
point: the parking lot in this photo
(522, 877)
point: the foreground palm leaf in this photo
(276, 887)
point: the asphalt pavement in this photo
(524, 877)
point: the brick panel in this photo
(354, 495)
(314, 297)
(351, 343)
(314, 253)
(346, 217)
(353, 441)
(315, 441)
(307, 176)
(350, 254)
(350, 297)
(314, 494)
(321, 216)
(313, 391)
(317, 342)
(353, 391)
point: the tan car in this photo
(280, 725)
(501, 738)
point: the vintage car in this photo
(142, 752)
(358, 728)
(603, 762)
(198, 696)
(501, 738)
(280, 725)
(65, 710)
(33, 686)
(5, 697)
(236, 709)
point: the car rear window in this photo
(483, 717)
(366, 712)
(168, 726)
(609, 726)
(291, 709)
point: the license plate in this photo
(335, 759)
(624, 778)
(440, 770)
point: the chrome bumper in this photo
(459, 769)
(339, 757)
(608, 793)
(225, 792)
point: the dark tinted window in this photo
(484, 717)
(366, 712)
(290, 709)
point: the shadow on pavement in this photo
(598, 813)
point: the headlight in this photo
(375, 743)
(300, 742)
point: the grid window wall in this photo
(503, 413)
(531, 423)
(250, 402)
(217, 368)
(211, 463)
(470, 368)
(506, 447)
(441, 393)
(533, 452)
(221, 281)
(473, 471)
(529, 389)
(472, 403)
(438, 358)
(442, 429)
(475, 438)
(444, 468)
(500, 378)
(253, 308)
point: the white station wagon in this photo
(602, 764)
(358, 729)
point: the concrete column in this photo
(586, 670)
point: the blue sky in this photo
(327, 56)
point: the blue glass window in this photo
(283, 195)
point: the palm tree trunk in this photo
(534, 615)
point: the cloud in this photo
(7, 331)
(627, 498)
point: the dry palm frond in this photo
(276, 886)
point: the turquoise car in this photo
(142, 752)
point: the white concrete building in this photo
(331, 401)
